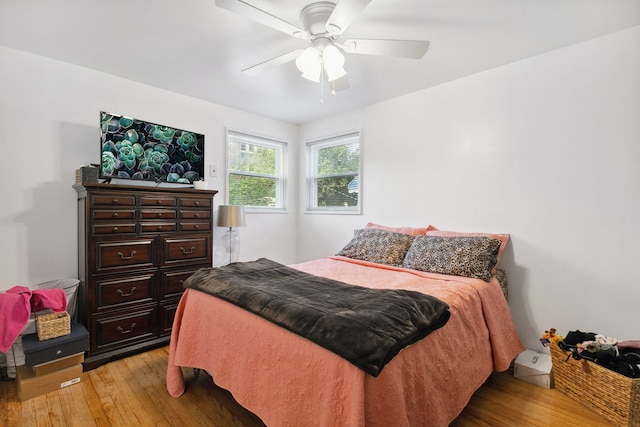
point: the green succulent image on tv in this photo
(137, 149)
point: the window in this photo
(254, 167)
(334, 174)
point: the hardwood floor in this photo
(131, 392)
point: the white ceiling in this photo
(195, 48)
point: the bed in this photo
(288, 380)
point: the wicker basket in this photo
(53, 325)
(606, 392)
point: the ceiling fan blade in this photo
(262, 17)
(344, 14)
(273, 62)
(399, 48)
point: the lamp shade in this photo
(230, 216)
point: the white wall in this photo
(546, 149)
(49, 116)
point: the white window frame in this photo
(313, 148)
(280, 147)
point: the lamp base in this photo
(231, 242)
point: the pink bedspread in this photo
(289, 381)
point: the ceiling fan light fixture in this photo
(333, 61)
(310, 64)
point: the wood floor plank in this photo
(90, 382)
(40, 409)
(54, 408)
(132, 392)
(103, 385)
(173, 411)
(80, 414)
(135, 392)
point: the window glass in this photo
(334, 174)
(255, 166)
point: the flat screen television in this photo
(140, 150)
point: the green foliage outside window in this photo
(335, 183)
(254, 171)
(251, 190)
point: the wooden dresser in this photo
(136, 245)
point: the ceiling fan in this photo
(322, 24)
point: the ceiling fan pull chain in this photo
(322, 85)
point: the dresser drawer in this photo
(158, 201)
(187, 249)
(195, 226)
(158, 227)
(112, 214)
(195, 202)
(116, 292)
(113, 200)
(121, 330)
(167, 314)
(114, 228)
(163, 214)
(195, 214)
(121, 254)
(172, 281)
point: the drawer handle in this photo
(159, 228)
(196, 226)
(122, 257)
(197, 215)
(122, 294)
(114, 229)
(115, 215)
(159, 202)
(197, 203)
(186, 252)
(159, 214)
(114, 201)
(122, 331)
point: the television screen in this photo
(135, 149)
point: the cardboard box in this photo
(58, 364)
(534, 368)
(30, 385)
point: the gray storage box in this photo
(37, 352)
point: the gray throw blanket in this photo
(367, 327)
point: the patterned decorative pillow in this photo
(412, 231)
(458, 256)
(379, 246)
(504, 238)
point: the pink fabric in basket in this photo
(289, 381)
(15, 309)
